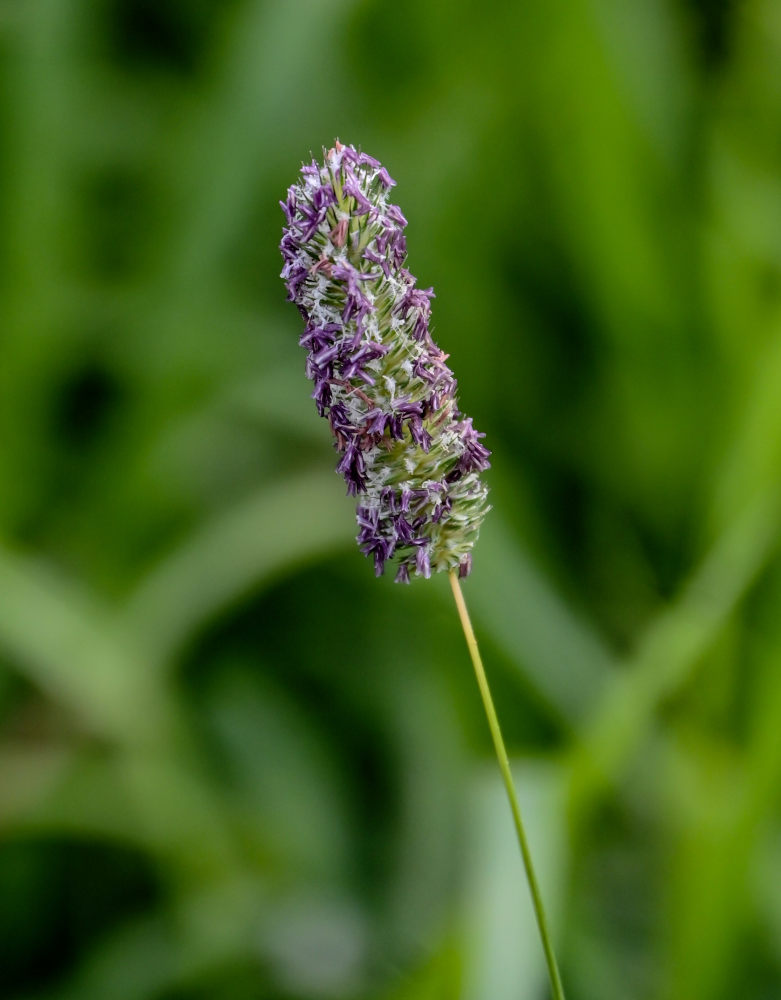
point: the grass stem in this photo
(504, 766)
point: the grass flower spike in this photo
(410, 458)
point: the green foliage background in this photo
(232, 764)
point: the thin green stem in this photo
(504, 766)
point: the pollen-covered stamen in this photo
(323, 264)
(338, 234)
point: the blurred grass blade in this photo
(222, 150)
(281, 528)
(516, 606)
(751, 466)
(502, 956)
(672, 646)
(64, 643)
(728, 806)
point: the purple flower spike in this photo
(407, 454)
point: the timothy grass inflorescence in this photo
(408, 455)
